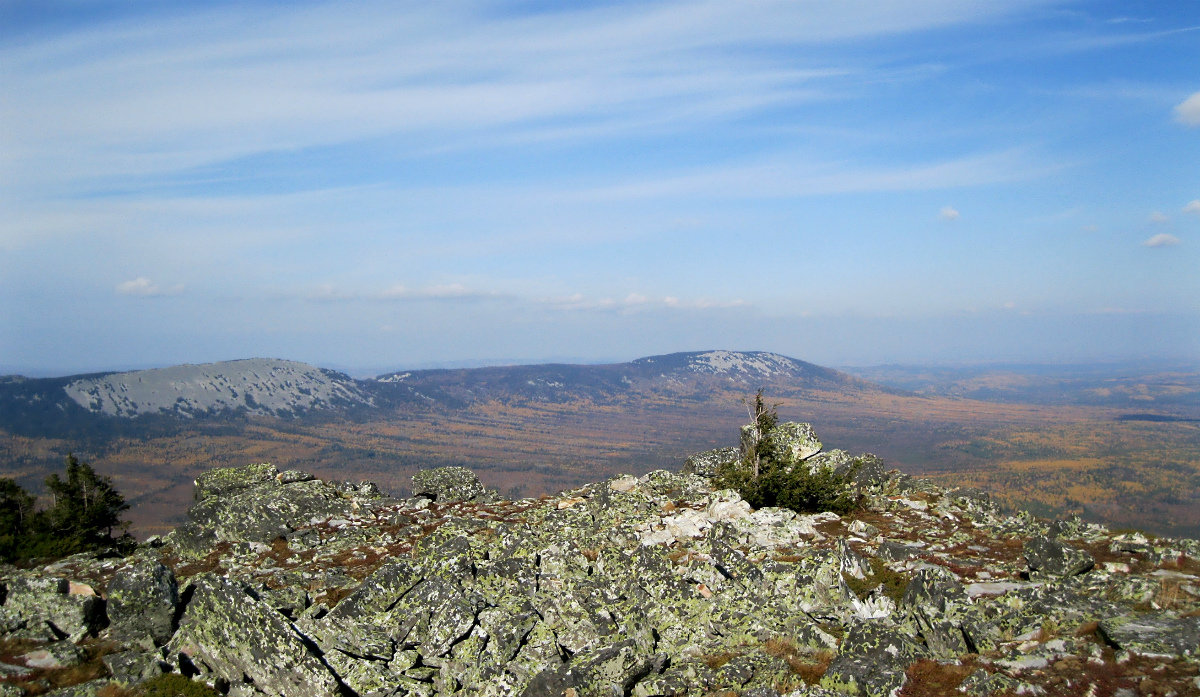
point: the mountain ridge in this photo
(291, 389)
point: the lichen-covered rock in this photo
(133, 667)
(938, 605)
(445, 484)
(227, 634)
(1050, 557)
(1156, 637)
(707, 463)
(795, 442)
(896, 551)
(43, 608)
(860, 470)
(791, 441)
(872, 659)
(141, 602)
(227, 480)
(249, 504)
(608, 670)
(58, 654)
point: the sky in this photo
(381, 185)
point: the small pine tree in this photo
(764, 418)
(763, 478)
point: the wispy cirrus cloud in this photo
(783, 177)
(209, 85)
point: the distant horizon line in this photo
(366, 371)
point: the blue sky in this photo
(385, 185)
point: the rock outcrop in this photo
(282, 584)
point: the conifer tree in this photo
(84, 507)
(16, 517)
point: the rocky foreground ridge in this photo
(282, 584)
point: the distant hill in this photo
(285, 389)
(678, 374)
(258, 386)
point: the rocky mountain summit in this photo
(285, 585)
(257, 385)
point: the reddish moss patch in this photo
(928, 678)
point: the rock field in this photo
(282, 584)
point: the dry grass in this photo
(928, 678)
(714, 661)
(1167, 595)
(808, 665)
(43, 680)
(1087, 629)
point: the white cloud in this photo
(1158, 218)
(949, 213)
(1192, 207)
(1188, 111)
(1162, 239)
(145, 287)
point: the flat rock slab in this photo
(1157, 637)
(990, 588)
